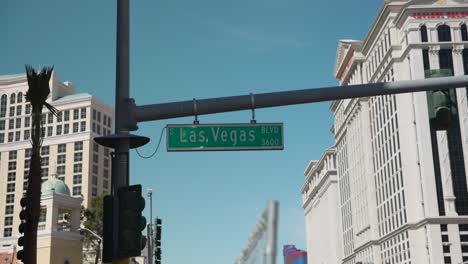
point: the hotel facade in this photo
(69, 153)
(398, 174)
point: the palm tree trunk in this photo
(34, 190)
(34, 197)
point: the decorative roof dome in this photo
(54, 185)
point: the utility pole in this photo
(128, 114)
(150, 228)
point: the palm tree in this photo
(36, 95)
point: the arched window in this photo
(423, 31)
(20, 97)
(464, 32)
(12, 98)
(3, 106)
(444, 33)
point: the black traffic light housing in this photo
(441, 103)
(22, 229)
(131, 222)
(108, 221)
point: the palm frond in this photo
(51, 108)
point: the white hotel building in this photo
(68, 149)
(399, 180)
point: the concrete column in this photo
(421, 121)
(454, 239)
(434, 57)
(54, 215)
(462, 101)
(446, 174)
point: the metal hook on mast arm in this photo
(195, 112)
(252, 102)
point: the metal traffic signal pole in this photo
(128, 114)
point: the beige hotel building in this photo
(69, 153)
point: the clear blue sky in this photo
(184, 49)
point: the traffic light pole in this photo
(128, 114)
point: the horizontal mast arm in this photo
(244, 102)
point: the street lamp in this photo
(150, 227)
(83, 228)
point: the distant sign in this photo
(224, 137)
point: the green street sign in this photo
(223, 137)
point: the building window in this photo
(76, 190)
(106, 163)
(76, 114)
(11, 187)
(50, 118)
(43, 119)
(95, 169)
(67, 115)
(78, 146)
(19, 109)
(94, 127)
(3, 106)
(94, 191)
(59, 117)
(61, 170)
(28, 153)
(18, 122)
(11, 124)
(2, 125)
(9, 209)
(26, 134)
(45, 150)
(17, 136)
(10, 137)
(28, 109)
(11, 176)
(45, 172)
(61, 159)
(443, 31)
(423, 31)
(83, 126)
(95, 147)
(12, 165)
(106, 173)
(95, 180)
(62, 148)
(95, 158)
(45, 161)
(58, 130)
(12, 155)
(75, 127)
(83, 112)
(464, 33)
(7, 232)
(9, 220)
(10, 198)
(78, 156)
(12, 111)
(13, 98)
(445, 59)
(27, 121)
(77, 179)
(2, 137)
(94, 114)
(27, 163)
(19, 99)
(66, 128)
(77, 168)
(49, 131)
(99, 116)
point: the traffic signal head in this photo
(22, 229)
(131, 221)
(442, 114)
